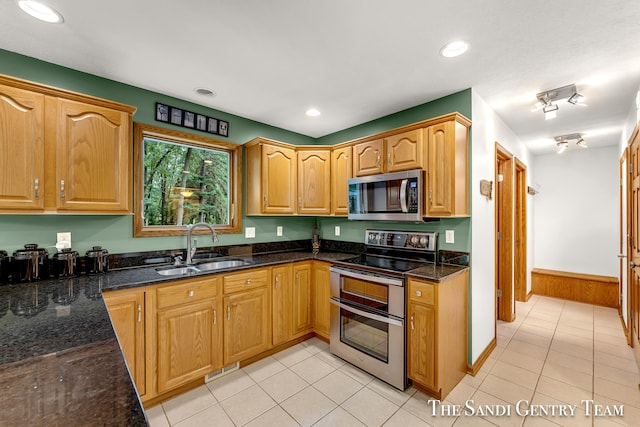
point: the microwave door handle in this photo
(403, 195)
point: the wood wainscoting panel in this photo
(587, 288)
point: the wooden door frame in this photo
(625, 216)
(520, 229)
(504, 225)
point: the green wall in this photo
(115, 232)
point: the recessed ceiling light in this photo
(40, 11)
(204, 91)
(312, 112)
(453, 49)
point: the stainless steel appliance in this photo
(368, 302)
(393, 197)
(97, 260)
(31, 263)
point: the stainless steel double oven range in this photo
(368, 302)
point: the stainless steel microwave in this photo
(388, 197)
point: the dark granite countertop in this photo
(59, 357)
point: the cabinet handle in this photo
(378, 161)
(228, 312)
(248, 281)
(300, 202)
(430, 197)
(191, 293)
(215, 316)
(37, 187)
(298, 279)
(389, 158)
(139, 313)
(277, 281)
(412, 326)
(264, 200)
(62, 189)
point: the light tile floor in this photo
(555, 355)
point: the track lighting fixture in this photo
(547, 99)
(562, 141)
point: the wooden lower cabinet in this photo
(281, 302)
(320, 295)
(127, 311)
(189, 334)
(247, 321)
(437, 333)
(301, 298)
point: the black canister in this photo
(65, 263)
(97, 260)
(4, 265)
(30, 263)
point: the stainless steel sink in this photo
(202, 267)
(218, 265)
(177, 271)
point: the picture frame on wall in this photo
(212, 125)
(162, 112)
(176, 116)
(189, 119)
(201, 122)
(223, 128)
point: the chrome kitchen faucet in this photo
(191, 247)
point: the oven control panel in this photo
(425, 240)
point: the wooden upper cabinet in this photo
(314, 181)
(93, 158)
(405, 151)
(447, 171)
(341, 171)
(21, 149)
(271, 177)
(368, 158)
(62, 151)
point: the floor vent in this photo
(221, 372)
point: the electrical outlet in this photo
(279, 231)
(63, 240)
(337, 230)
(250, 232)
(449, 236)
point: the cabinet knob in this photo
(191, 293)
(418, 293)
(248, 281)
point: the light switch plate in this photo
(250, 232)
(279, 231)
(337, 230)
(63, 240)
(449, 236)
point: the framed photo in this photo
(189, 119)
(223, 128)
(176, 116)
(162, 112)
(201, 122)
(212, 125)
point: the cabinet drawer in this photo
(191, 291)
(422, 292)
(244, 281)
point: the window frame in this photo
(142, 131)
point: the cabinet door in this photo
(314, 182)
(341, 171)
(441, 158)
(247, 326)
(93, 155)
(421, 359)
(321, 293)
(301, 298)
(127, 311)
(405, 151)
(21, 149)
(281, 304)
(368, 158)
(188, 343)
(278, 179)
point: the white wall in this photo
(487, 129)
(576, 216)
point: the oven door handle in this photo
(352, 309)
(367, 277)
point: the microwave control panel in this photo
(425, 241)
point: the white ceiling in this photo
(355, 60)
